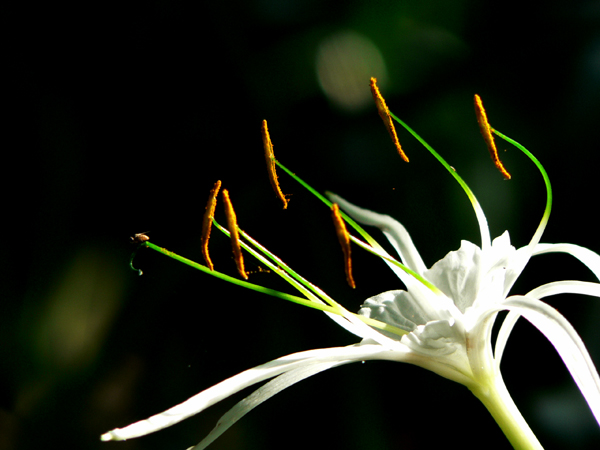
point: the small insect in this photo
(138, 238)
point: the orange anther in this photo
(235, 237)
(488, 137)
(384, 113)
(270, 158)
(344, 238)
(209, 213)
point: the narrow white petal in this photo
(566, 341)
(262, 394)
(507, 326)
(247, 378)
(566, 287)
(546, 290)
(393, 230)
(586, 256)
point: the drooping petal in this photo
(586, 256)
(261, 395)
(247, 378)
(564, 338)
(394, 231)
(554, 288)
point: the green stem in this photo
(501, 406)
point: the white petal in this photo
(396, 308)
(247, 378)
(546, 290)
(262, 394)
(406, 311)
(566, 287)
(458, 274)
(589, 258)
(566, 341)
(393, 230)
(436, 339)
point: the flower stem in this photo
(501, 406)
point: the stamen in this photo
(270, 157)
(235, 237)
(344, 238)
(486, 132)
(209, 213)
(384, 113)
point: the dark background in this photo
(122, 115)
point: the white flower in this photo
(441, 322)
(448, 330)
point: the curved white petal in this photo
(586, 256)
(247, 378)
(566, 287)
(261, 395)
(394, 231)
(546, 290)
(566, 341)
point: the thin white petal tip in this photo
(109, 437)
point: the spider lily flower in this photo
(442, 320)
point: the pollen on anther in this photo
(384, 113)
(344, 238)
(209, 213)
(235, 236)
(488, 137)
(270, 158)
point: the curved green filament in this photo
(317, 194)
(542, 226)
(315, 304)
(391, 260)
(486, 241)
(302, 284)
(374, 246)
(246, 284)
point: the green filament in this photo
(486, 241)
(542, 226)
(311, 302)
